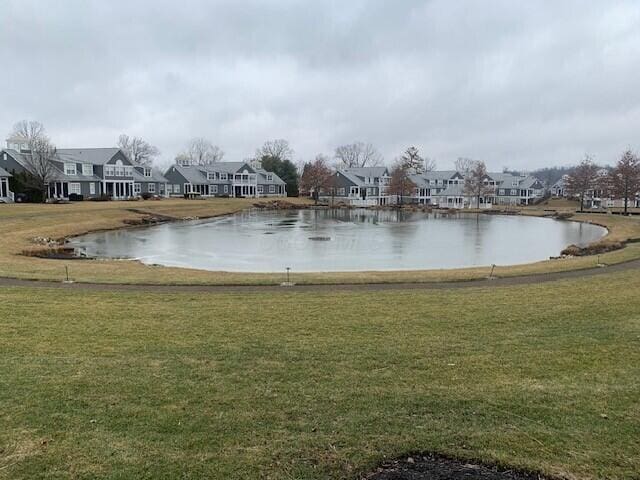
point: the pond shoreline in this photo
(360, 266)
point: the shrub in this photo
(592, 249)
(101, 198)
(146, 196)
(74, 197)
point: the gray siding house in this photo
(365, 186)
(446, 189)
(224, 179)
(91, 173)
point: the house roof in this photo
(191, 174)
(18, 157)
(156, 176)
(351, 177)
(95, 156)
(453, 190)
(263, 177)
(366, 171)
(4, 173)
(227, 167)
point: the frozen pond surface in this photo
(343, 240)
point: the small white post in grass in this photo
(288, 282)
(491, 277)
(67, 279)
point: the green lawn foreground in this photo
(318, 385)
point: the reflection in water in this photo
(352, 240)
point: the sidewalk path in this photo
(365, 287)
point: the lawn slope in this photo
(311, 386)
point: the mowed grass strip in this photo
(20, 224)
(310, 386)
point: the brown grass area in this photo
(20, 224)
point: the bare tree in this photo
(582, 179)
(429, 164)
(138, 150)
(316, 176)
(200, 151)
(400, 184)
(40, 155)
(464, 165)
(412, 160)
(476, 184)
(275, 149)
(358, 154)
(624, 180)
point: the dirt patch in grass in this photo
(438, 467)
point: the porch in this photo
(6, 195)
(119, 190)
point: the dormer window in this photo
(269, 178)
(87, 169)
(147, 172)
(211, 175)
(223, 176)
(70, 169)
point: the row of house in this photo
(368, 186)
(595, 198)
(107, 172)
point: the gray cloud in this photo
(520, 84)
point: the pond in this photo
(342, 240)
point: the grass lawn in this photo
(319, 385)
(20, 224)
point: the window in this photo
(341, 191)
(147, 172)
(169, 188)
(109, 171)
(269, 177)
(354, 191)
(69, 168)
(226, 187)
(92, 188)
(223, 176)
(213, 189)
(176, 188)
(137, 188)
(501, 191)
(74, 188)
(514, 192)
(260, 189)
(87, 169)
(151, 188)
(211, 175)
(272, 189)
(128, 171)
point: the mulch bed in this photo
(437, 467)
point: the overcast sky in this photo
(515, 83)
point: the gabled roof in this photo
(262, 177)
(191, 174)
(18, 157)
(453, 190)
(4, 173)
(350, 176)
(366, 171)
(440, 174)
(227, 167)
(156, 176)
(95, 156)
